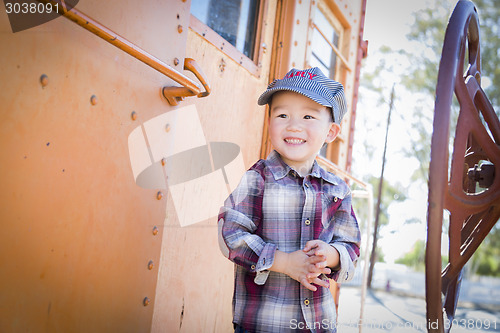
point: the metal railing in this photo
(189, 87)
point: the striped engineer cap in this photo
(313, 84)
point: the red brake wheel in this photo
(468, 188)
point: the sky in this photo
(387, 23)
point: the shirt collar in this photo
(280, 169)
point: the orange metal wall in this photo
(77, 232)
(83, 247)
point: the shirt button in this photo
(335, 199)
(308, 222)
(252, 267)
(306, 302)
(306, 184)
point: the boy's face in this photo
(298, 128)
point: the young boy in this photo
(289, 224)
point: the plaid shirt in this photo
(275, 208)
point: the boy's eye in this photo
(308, 117)
(282, 115)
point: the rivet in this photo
(155, 230)
(167, 128)
(146, 301)
(264, 48)
(93, 100)
(298, 21)
(163, 161)
(133, 115)
(295, 43)
(179, 28)
(151, 265)
(176, 61)
(44, 80)
(159, 195)
(222, 65)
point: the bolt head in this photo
(44, 80)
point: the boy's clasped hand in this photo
(307, 265)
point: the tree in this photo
(429, 29)
(415, 258)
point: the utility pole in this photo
(379, 198)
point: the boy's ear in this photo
(333, 132)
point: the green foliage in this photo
(429, 31)
(415, 258)
(485, 260)
(489, 21)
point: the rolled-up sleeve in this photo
(239, 220)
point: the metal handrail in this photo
(123, 44)
(338, 171)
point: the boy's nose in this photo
(294, 125)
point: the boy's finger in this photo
(319, 251)
(316, 259)
(315, 271)
(310, 245)
(305, 282)
(310, 253)
(321, 282)
(313, 275)
(321, 264)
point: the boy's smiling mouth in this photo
(294, 141)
